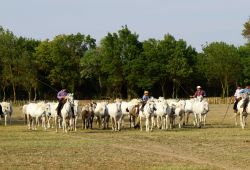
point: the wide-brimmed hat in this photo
(198, 87)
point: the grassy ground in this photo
(219, 145)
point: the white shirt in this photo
(237, 94)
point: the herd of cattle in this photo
(161, 113)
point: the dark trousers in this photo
(245, 103)
(59, 107)
(1, 111)
(235, 104)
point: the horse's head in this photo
(70, 98)
(151, 106)
(199, 98)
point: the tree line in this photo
(119, 66)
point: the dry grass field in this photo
(219, 145)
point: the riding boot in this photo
(245, 103)
(59, 108)
(1, 112)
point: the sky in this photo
(198, 22)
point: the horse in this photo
(67, 113)
(148, 113)
(36, 111)
(243, 115)
(7, 111)
(200, 109)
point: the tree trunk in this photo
(100, 84)
(14, 92)
(163, 89)
(4, 94)
(35, 94)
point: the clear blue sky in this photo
(195, 21)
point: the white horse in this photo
(161, 112)
(243, 116)
(7, 111)
(67, 113)
(77, 111)
(200, 109)
(53, 116)
(148, 113)
(115, 112)
(188, 109)
(101, 113)
(36, 111)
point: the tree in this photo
(246, 30)
(165, 61)
(118, 50)
(245, 59)
(222, 63)
(9, 58)
(60, 58)
(90, 67)
(28, 67)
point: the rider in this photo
(237, 97)
(245, 96)
(145, 98)
(199, 92)
(61, 96)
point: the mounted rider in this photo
(245, 96)
(199, 92)
(61, 96)
(145, 98)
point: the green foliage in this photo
(246, 30)
(222, 63)
(60, 58)
(121, 66)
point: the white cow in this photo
(200, 109)
(7, 111)
(243, 116)
(36, 111)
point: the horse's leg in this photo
(141, 123)
(75, 120)
(147, 124)
(56, 122)
(152, 123)
(5, 119)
